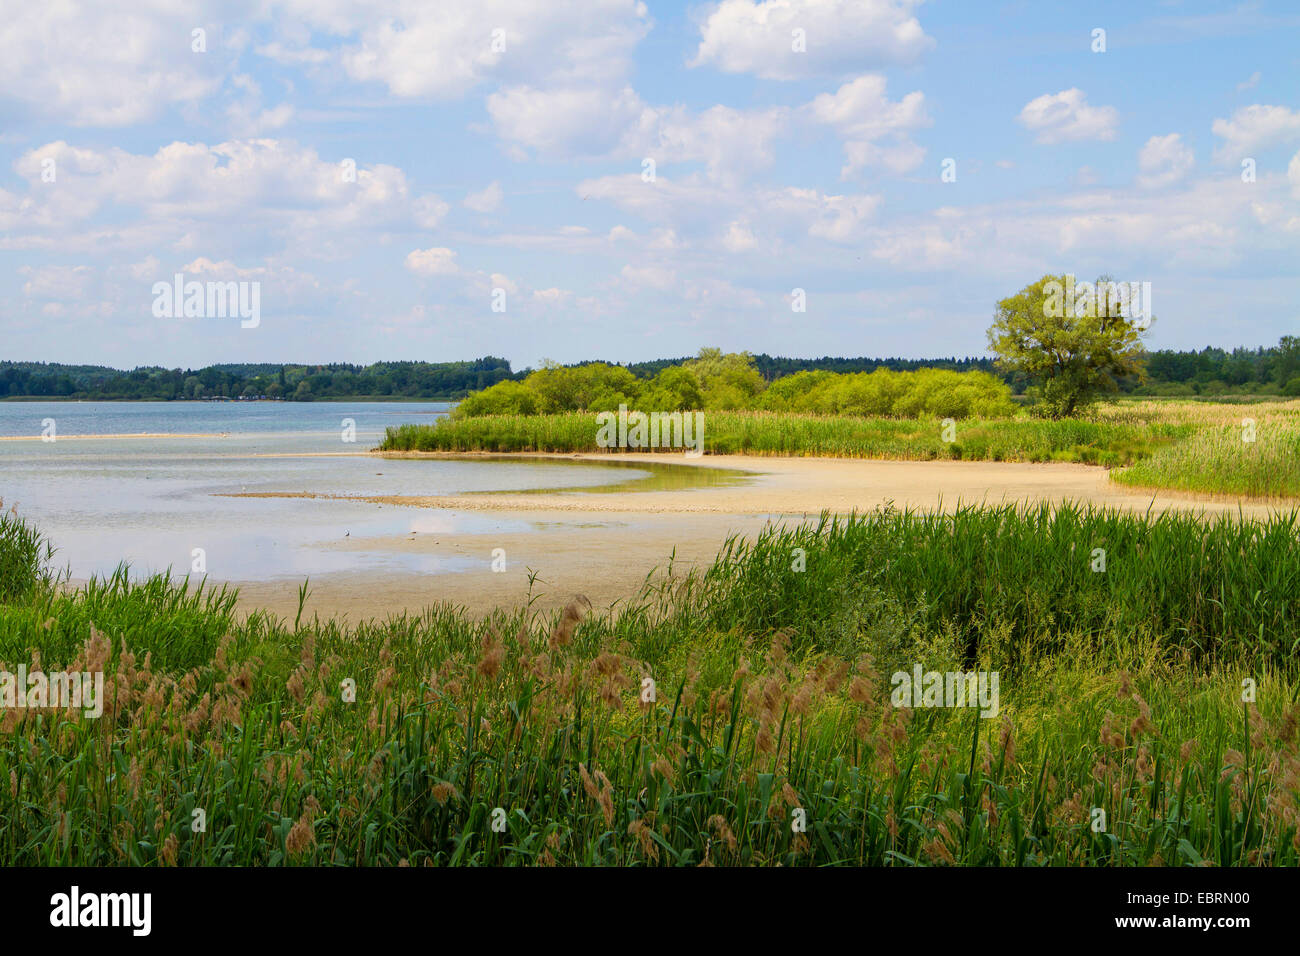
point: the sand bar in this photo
(604, 545)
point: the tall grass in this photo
(24, 555)
(779, 433)
(1219, 460)
(1012, 584)
(772, 696)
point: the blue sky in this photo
(127, 156)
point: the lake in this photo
(152, 501)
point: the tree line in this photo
(393, 380)
(1208, 371)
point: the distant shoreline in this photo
(229, 401)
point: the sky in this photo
(623, 180)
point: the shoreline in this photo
(808, 485)
(607, 545)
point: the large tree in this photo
(1074, 340)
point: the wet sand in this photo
(604, 545)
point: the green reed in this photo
(779, 433)
(1122, 693)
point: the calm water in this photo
(152, 500)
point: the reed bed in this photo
(787, 434)
(1219, 460)
(526, 739)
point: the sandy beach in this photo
(604, 545)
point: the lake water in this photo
(152, 500)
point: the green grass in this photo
(773, 433)
(1218, 460)
(772, 695)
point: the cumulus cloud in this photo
(94, 64)
(1254, 128)
(188, 192)
(1067, 116)
(863, 114)
(443, 50)
(1164, 160)
(433, 262)
(840, 36)
(568, 121)
(588, 123)
(487, 200)
(767, 216)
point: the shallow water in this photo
(152, 500)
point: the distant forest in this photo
(1211, 371)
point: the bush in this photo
(718, 382)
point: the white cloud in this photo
(1254, 128)
(570, 121)
(861, 112)
(693, 206)
(590, 122)
(55, 282)
(488, 200)
(841, 36)
(224, 194)
(1293, 175)
(95, 64)
(443, 50)
(1164, 160)
(1249, 84)
(654, 277)
(1200, 226)
(1066, 116)
(433, 262)
(739, 238)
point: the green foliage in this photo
(1217, 460)
(1074, 349)
(24, 553)
(718, 382)
(444, 380)
(920, 394)
(1119, 690)
(784, 433)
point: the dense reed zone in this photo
(1121, 691)
(785, 433)
(1181, 445)
(1238, 450)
